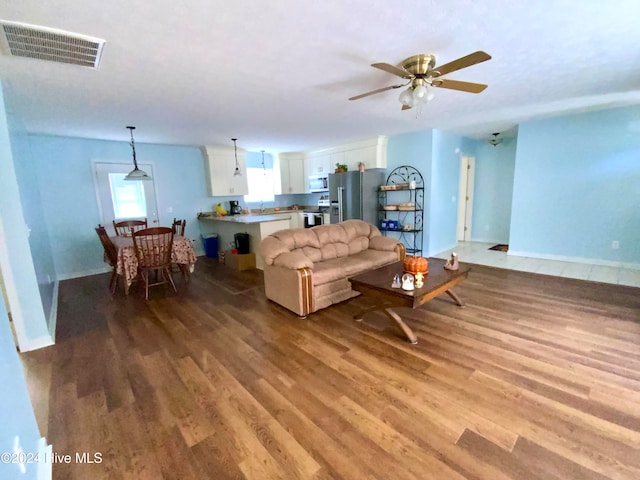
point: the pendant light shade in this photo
(136, 173)
(236, 172)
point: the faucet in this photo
(261, 206)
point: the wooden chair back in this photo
(153, 247)
(123, 228)
(179, 226)
(110, 252)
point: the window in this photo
(260, 182)
(127, 197)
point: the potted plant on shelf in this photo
(340, 167)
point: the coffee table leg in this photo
(455, 298)
(358, 316)
(405, 328)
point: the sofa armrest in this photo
(292, 260)
(385, 244)
(291, 288)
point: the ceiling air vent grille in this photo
(58, 46)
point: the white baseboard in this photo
(53, 314)
(563, 258)
(36, 343)
(86, 273)
(45, 465)
(490, 240)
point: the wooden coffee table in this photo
(376, 284)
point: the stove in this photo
(318, 216)
(324, 204)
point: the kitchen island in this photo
(257, 226)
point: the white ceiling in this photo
(277, 74)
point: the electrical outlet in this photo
(615, 245)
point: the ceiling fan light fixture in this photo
(419, 92)
(406, 97)
(136, 173)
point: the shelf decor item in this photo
(341, 168)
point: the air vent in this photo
(32, 41)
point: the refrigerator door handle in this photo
(340, 197)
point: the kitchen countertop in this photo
(245, 219)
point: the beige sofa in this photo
(306, 269)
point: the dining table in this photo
(182, 255)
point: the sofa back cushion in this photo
(324, 242)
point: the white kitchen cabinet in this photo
(292, 177)
(318, 164)
(220, 165)
(371, 152)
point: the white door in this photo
(119, 199)
(465, 198)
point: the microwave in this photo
(318, 183)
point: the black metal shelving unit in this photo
(404, 185)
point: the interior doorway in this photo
(119, 199)
(465, 198)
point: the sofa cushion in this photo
(367, 260)
(337, 268)
(329, 270)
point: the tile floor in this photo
(479, 253)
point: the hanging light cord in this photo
(235, 151)
(133, 147)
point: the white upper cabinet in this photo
(371, 152)
(220, 163)
(292, 178)
(318, 164)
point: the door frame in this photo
(465, 197)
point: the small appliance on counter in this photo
(234, 207)
(241, 242)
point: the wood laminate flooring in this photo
(537, 378)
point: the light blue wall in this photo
(16, 412)
(576, 186)
(448, 148)
(414, 149)
(69, 201)
(493, 191)
(17, 264)
(27, 176)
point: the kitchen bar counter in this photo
(246, 219)
(257, 226)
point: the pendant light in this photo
(236, 172)
(495, 141)
(136, 173)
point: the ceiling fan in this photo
(423, 75)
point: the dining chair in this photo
(178, 226)
(123, 228)
(110, 255)
(153, 251)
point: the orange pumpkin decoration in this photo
(413, 265)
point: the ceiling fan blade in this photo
(406, 107)
(458, 85)
(462, 62)
(391, 69)
(373, 92)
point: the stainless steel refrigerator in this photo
(355, 195)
